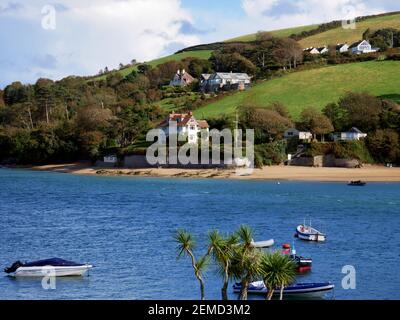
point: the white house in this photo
(342, 47)
(301, 135)
(323, 50)
(225, 81)
(362, 46)
(186, 125)
(354, 134)
(110, 159)
(312, 50)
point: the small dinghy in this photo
(263, 244)
(62, 268)
(316, 290)
(309, 233)
(358, 183)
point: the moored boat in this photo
(309, 233)
(55, 266)
(358, 183)
(300, 289)
(303, 264)
(263, 244)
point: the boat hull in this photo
(69, 271)
(316, 290)
(314, 235)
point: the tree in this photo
(288, 52)
(92, 119)
(45, 97)
(185, 247)
(268, 123)
(232, 62)
(277, 271)
(222, 250)
(384, 145)
(361, 110)
(314, 121)
(245, 265)
(336, 115)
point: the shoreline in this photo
(273, 173)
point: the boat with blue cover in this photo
(316, 290)
(55, 266)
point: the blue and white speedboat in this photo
(312, 290)
(57, 267)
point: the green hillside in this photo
(341, 35)
(281, 33)
(316, 87)
(203, 54)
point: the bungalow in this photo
(225, 81)
(354, 134)
(181, 79)
(323, 50)
(342, 47)
(301, 135)
(312, 50)
(362, 46)
(187, 125)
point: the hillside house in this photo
(323, 50)
(342, 47)
(362, 46)
(354, 134)
(312, 50)
(181, 79)
(187, 125)
(226, 81)
(301, 135)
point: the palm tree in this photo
(222, 251)
(246, 260)
(185, 247)
(278, 271)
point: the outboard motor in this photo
(14, 267)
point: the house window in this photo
(192, 128)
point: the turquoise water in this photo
(124, 226)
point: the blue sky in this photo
(82, 37)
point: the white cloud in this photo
(271, 14)
(92, 34)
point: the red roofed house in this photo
(187, 125)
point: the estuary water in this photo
(125, 226)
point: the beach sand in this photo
(275, 173)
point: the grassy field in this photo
(341, 35)
(277, 33)
(316, 88)
(203, 54)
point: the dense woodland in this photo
(84, 118)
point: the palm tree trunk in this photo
(281, 293)
(202, 293)
(224, 290)
(196, 271)
(244, 289)
(270, 294)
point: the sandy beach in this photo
(275, 173)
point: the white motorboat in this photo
(309, 233)
(311, 290)
(50, 267)
(263, 244)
